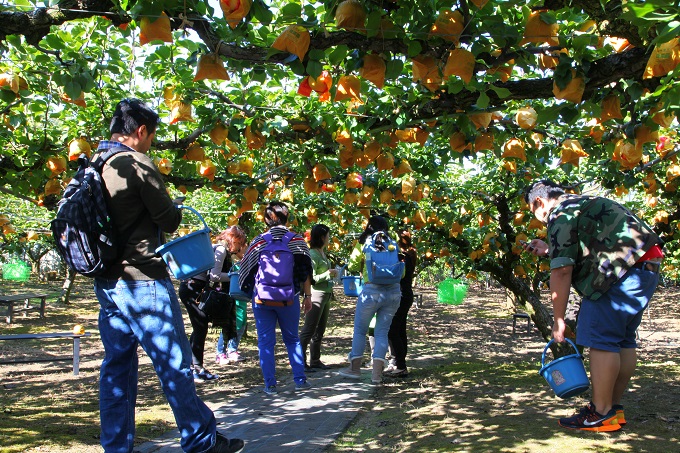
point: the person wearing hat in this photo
(612, 259)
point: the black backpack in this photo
(83, 230)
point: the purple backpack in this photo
(274, 278)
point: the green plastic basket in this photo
(16, 270)
(451, 291)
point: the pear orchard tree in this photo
(344, 108)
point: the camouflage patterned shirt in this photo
(600, 238)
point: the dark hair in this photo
(319, 231)
(544, 188)
(375, 224)
(406, 246)
(275, 214)
(130, 114)
(405, 240)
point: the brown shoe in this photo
(376, 376)
(353, 371)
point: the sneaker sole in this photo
(351, 376)
(621, 418)
(597, 429)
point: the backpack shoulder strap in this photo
(108, 154)
(288, 237)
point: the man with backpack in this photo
(138, 304)
(277, 270)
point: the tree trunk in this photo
(67, 286)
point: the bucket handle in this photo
(181, 206)
(551, 342)
(195, 212)
(361, 278)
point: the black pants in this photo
(188, 293)
(315, 326)
(397, 333)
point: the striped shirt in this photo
(298, 246)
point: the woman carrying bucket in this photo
(322, 291)
(234, 240)
(189, 293)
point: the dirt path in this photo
(473, 384)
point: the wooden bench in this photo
(10, 302)
(40, 336)
(517, 316)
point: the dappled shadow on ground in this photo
(473, 384)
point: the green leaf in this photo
(482, 100)
(548, 114)
(648, 11)
(54, 41)
(580, 42)
(297, 67)
(635, 91)
(569, 114)
(548, 17)
(258, 75)
(163, 52)
(7, 95)
(73, 89)
(316, 54)
(393, 68)
(338, 55)
(562, 75)
(455, 85)
(669, 31)
(314, 68)
(414, 48)
(502, 93)
(261, 12)
(234, 134)
(292, 10)
(373, 23)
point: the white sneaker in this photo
(234, 357)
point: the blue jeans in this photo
(146, 313)
(288, 319)
(232, 343)
(382, 301)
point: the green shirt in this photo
(600, 238)
(321, 272)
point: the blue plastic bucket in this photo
(352, 285)
(566, 375)
(234, 289)
(191, 254)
